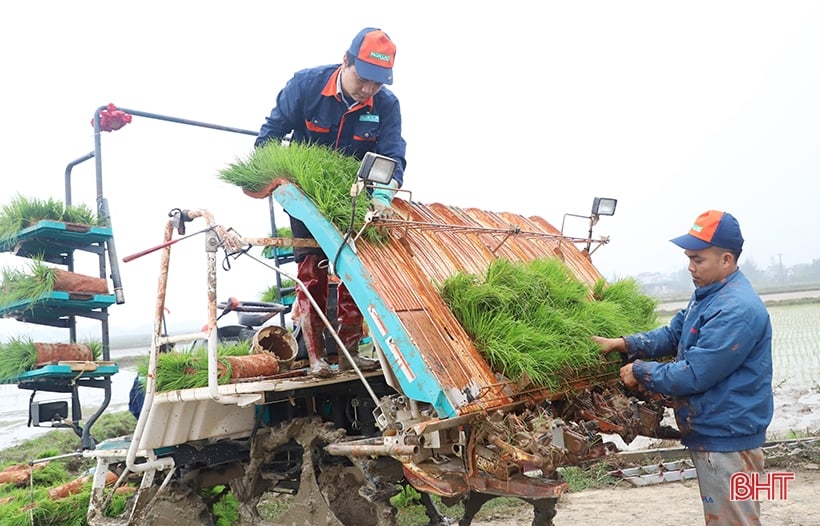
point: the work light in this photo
(603, 206)
(376, 168)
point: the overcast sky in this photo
(673, 108)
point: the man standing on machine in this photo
(346, 107)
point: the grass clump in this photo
(411, 512)
(223, 505)
(323, 174)
(25, 506)
(59, 441)
(534, 321)
(579, 478)
(23, 212)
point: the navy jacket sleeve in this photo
(391, 143)
(723, 344)
(284, 117)
(657, 343)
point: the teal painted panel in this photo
(57, 304)
(417, 380)
(50, 236)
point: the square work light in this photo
(376, 168)
(603, 206)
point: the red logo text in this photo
(756, 486)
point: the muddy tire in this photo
(327, 490)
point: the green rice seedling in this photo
(33, 505)
(271, 295)
(116, 506)
(15, 511)
(189, 369)
(17, 356)
(608, 319)
(283, 232)
(241, 348)
(638, 307)
(52, 474)
(22, 212)
(535, 321)
(96, 349)
(224, 506)
(188, 373)
(68, 511)
(19, 285)
(83, 215)
(408, 496)
(579, 478)
(324, 175)
(43, 275)
(175, 370)
(452, 290)
(550, 280)
(507, 356)
(796, 345)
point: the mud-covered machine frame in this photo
(436, 416)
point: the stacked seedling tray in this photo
(47, 234)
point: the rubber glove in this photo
(382, 197)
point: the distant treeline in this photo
(774, 278)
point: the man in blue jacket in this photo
(720, 380)
(345, 107)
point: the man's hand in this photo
(608, 345)
(628, 378)
(381, 198)
(382, 208)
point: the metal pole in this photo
(68, 170)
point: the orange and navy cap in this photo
(374, 54)
(712, 229)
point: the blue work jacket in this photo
(311, 108)
(721, 378)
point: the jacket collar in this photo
(333, 87)
(706, 290)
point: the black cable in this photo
(226, 264)
(349, 231)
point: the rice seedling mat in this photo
(47, 309)
(51, 238)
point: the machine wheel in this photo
(321, 489)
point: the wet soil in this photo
(678, 503)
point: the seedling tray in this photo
(49, 238)
(657, 473)
(54, 305)
(61, 376)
